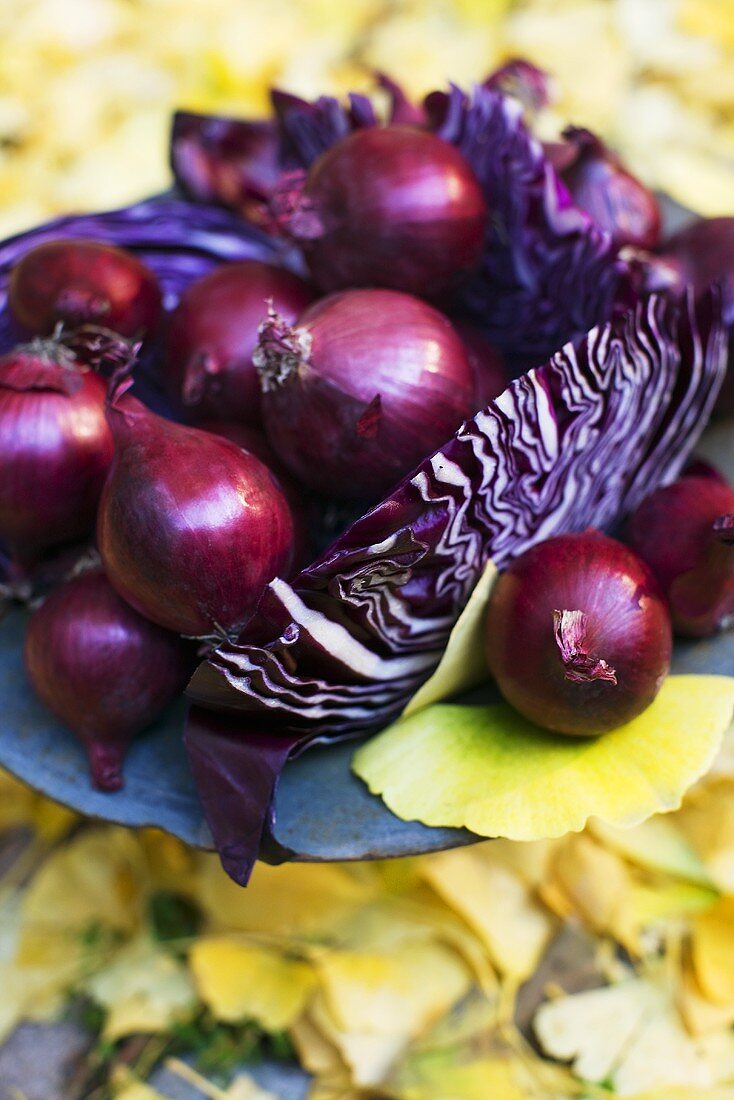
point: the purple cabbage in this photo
(340, 650)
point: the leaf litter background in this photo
(598, 964)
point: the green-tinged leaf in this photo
(491, 770)
(463, 664)
(657, 845)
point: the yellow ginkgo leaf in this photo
(657, 844)
(701, 1015)
(463, 664)
(490, 770)
(239, 980)
(598, 884)
(438, 1079)
(713, 951)
(707, 820)
(495, 902)
(144, 989)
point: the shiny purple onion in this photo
(55, 449)
(366, 385)
(394, 206)
(191, 528)
(578, 635)
(103, 670)
(685, 533)
(212, 336)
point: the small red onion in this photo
(191, 528)
(102, 669)
(367, 385)
(600, 185)
(83, 282)
(213, 333)
(685, 533)
(578, 635)
(55, 448)
(391, 206)
(490, 374)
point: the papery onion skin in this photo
(366, 385)
(191, 528)
(213, 333)
(103, 670)
(83, 282)
(55, 449)
(488, 368)
(389, 207)
(578, 677)
(617, 201)
(685, 533)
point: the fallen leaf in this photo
(712, 948)
(463, 664)
(657, 844)
(707, 820)
(495, 902)
(493, 772)
(238, 981)
(144, 989)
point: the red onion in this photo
(299, 499)
(213, 334)
(191, 528)
(390, 206)
(578, 635)
(55, 448)
(80, 282)
(685, 533)
(367, 385)
(601, 185)
(489, 372)
(102, 669)
(704, 253)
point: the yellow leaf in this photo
(239, 981)
(707, 819)
(495, 902)
(463, 664)
(661, 901)
(401, 992)
(492, 771)
(598, 883)
(144, 989)
(494, 1078)
(316, 1054)
(293, 899)
(369, 1056)
(713, 951)
(657, 844)
(700, 1014)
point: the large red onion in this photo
(191, 528)
(391, 206)
(102, 669)
(578, 635)
(366, 385)
(55, 448)
(685, 533)
(601, 185)
(213, 333)
(489, 372)
(83, 282)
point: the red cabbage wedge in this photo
(339, 651)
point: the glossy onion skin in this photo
(368, 348)
(103, 670)
(672, 530)
(191, 528)
(55, 451)
(628, 627)
(398, 207)
(83, 282)
(213, 333)
(602, 187)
